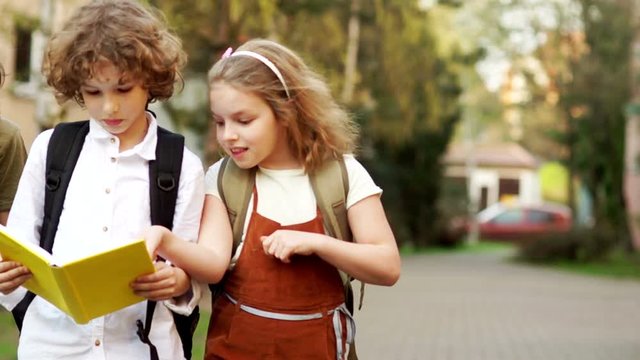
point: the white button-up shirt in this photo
(107, 202)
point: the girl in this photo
(112, 57)
(273, 114)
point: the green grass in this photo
(9, 336)
(478, 247)
(200, 335)
(618, 265)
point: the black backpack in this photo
(64, 149)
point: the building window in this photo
(509, 217)
(23, 54)
(508, 189)
(28, 41)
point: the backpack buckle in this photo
(53, 182)
(166, 182)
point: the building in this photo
(23, 99)
(496, 172)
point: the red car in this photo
(513, 221)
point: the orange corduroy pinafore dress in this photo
(306, 285)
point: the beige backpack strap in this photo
(235, 186)
(330, 186)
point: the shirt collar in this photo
(145, 149)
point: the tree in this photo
(632, 143)
(401, 86)
(596, 101)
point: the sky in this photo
(524, 24)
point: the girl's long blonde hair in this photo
(318, 128)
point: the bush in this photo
(581, 245)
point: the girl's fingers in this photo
(156, 295)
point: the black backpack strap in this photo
(63, 151)
(164, 177)
(143, 330)
(164, 181)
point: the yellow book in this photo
(85, 288)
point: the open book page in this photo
(38, 261)
(101, 282)
(84, 288)
(33, 248)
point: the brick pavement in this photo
(485, 307)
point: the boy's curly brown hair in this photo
(135, 39)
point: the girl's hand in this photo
(153, 239)
(12, 275)
(283, 244)
(166, 283)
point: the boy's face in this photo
(117, 102)
(247, 129)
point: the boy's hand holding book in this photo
(12, 276)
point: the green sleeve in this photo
(12, 158)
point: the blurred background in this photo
(486, 120)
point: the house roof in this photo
(496, 155)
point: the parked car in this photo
(514, 221)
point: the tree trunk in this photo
(352, 53)
(632, 134)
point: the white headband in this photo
(263, 60)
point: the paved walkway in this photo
(484, 307)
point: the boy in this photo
(114, 58)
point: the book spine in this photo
(76, 308)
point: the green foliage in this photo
(600, 90)
(553, 182)
(411, 176)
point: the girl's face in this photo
(117, 102)
(248, 130)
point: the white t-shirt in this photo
(107, 201)
(286, 196)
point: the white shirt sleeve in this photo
(361, 184)
(186, 223)
(211, 179)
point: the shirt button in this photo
(113, 140)
(113, 159)
(107, 190)
(97, 342)
(104, 228)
